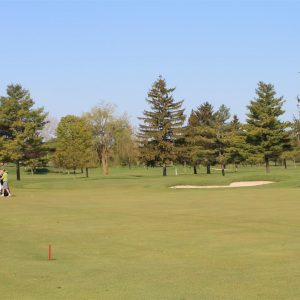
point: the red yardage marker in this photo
(49, 252)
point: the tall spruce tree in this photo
(201, 136)
(222, 128)
(235, 140)
(266, 134)
(191, 140)
(161, 126)
(20, 127)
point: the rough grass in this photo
(129, 236)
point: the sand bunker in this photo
(231, 185)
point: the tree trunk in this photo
(195, 169)
(284, 163)
(184, 167)
(208, 169)
(104, 161)
(235, 167)
(87, 172)
(81, 170)
(223, 170)
(164, 169)
(18, 170)
(267, 165)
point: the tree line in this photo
(29, 137)
(211, 137)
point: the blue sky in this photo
(72, 55)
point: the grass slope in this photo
(128, 236)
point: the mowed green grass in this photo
(129, 236)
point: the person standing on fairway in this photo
(5, 187)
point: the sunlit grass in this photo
(128, 236)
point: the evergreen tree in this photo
(201, 136)
(50, 147)
(222, 142)
(191, 141)
(20, 126)
(36, 156)
(236, 147)
(161, 126)
(266, 134)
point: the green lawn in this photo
(129, 236)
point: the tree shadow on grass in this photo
(39, 171)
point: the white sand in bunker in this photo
(231, 185)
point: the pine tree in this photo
(236, 147)
(201, 136)
(161, 126)
(20, 126)
(191, 141)
(266, 134)
(222, 127)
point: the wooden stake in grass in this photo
(49, 252)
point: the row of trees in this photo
(97, 137)
(29, 137)
(212, 137)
